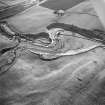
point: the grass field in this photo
(61, 4)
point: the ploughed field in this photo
(61, 4)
